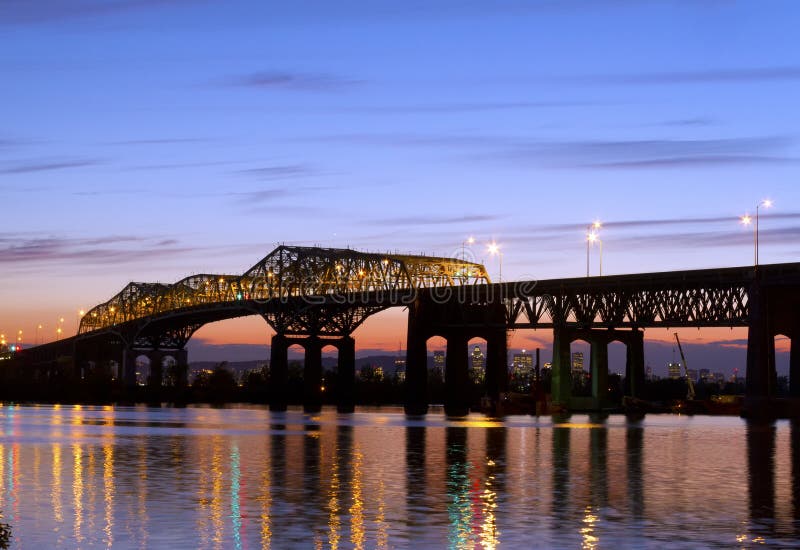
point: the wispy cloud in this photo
(475, 107)
(710, 76)
(301, 82)
(158, 141)
(652, 153)
(43, 11)
(693, 121)
(47, 165)
(436, 220)
(279, 172)
(16, 251)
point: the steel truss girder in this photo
(334, 320)
(287, 272)
(711, 305)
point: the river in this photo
(137, 477)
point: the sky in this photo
(146, 140)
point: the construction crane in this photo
(690, 394)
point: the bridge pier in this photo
(346, 380)
(278, 372)
(128, 365)
(634, 364)
(794, 366)
(599, 371)
(456, 391)
(598, 339)
(561, 382)
(416, 388)
(156, 377)
(312, 375)
(761, 377)
(496, 365)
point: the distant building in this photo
(438, 364)
(674, 370)
(648, 373)
(478, 358)
(400, 373)
(399, 364)
(719, 377)
(692, 375)
(478, 371)
(577, 362)
(705, 376)
(522, 370)
(522, 360)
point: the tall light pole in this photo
(747, 220)
(81, 313)
(494, 250)
(591, 237)
(38, 328)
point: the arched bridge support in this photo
(774, 311)
(598, 339)
(314, 386)
(457, 321)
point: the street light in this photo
(494, 250)
(747, 220)
(591, 237)
(81, 313)
(38, 328)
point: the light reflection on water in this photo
(85, 477)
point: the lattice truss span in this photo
(288, 271)
(680, 306)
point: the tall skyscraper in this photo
(478, 359)
(438, 365)
(674, 370)
(522, 371)
(478, 371)
(577, 362)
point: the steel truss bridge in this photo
(319, 296)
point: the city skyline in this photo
(133, 154)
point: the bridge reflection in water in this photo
(235, 478)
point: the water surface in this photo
(102, 477)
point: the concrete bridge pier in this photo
(416, 389)
(312, 375)
(346, 380)
(278, 373)
(794, 366)
(456, 387)
(561, 381)
(128, 365)
(156, 378)
(599, 371)
(634, 364)
(598, 339)
(496, 364)
(761, 377)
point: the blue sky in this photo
(147, 139)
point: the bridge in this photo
(316, 297)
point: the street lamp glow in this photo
(493, 248)
(592, 237)
(747, 220)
